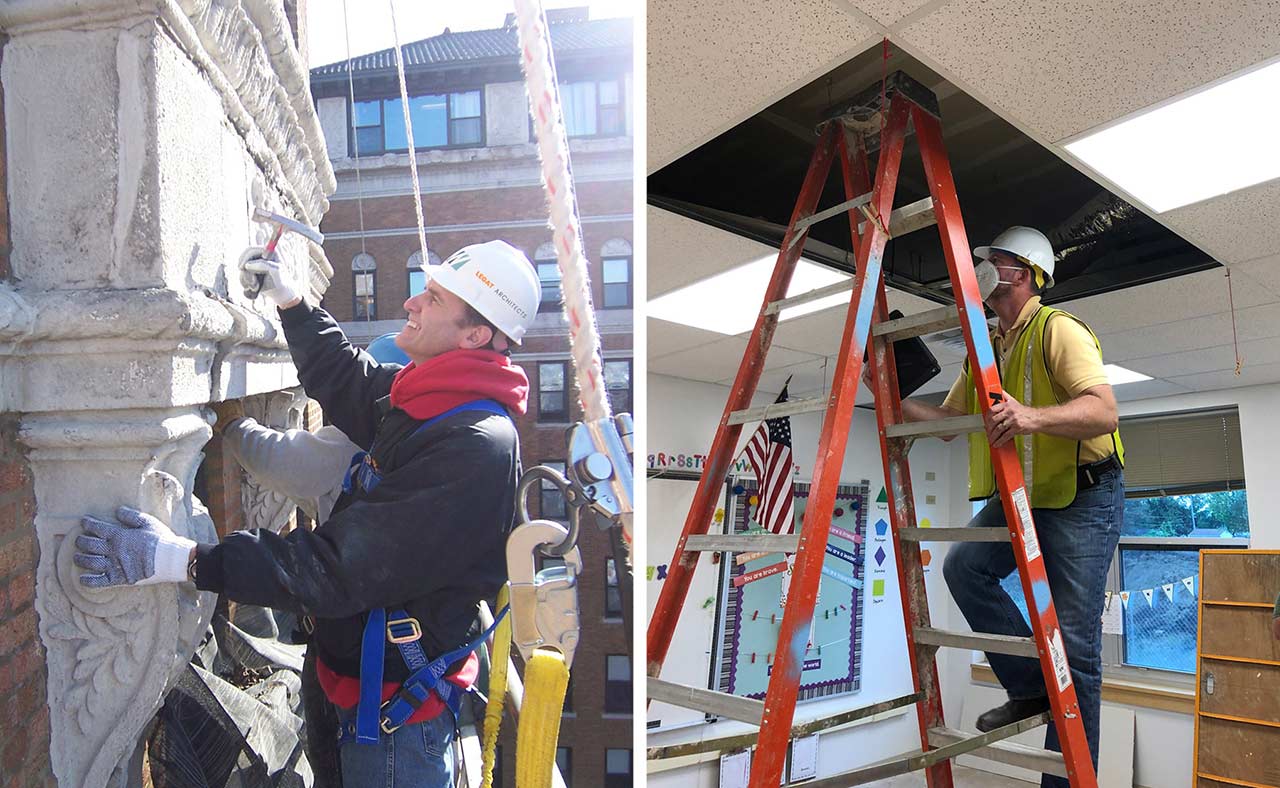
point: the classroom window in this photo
(564, 762)
(1184, 492)
(617, 768)
(364, 289)
(617, 690)
(617, 382)
(551, 504)
(553, 393)
(612, 592)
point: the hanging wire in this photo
(1235, 340)
(408, 130)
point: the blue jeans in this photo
(1078, 543)
(415, 756)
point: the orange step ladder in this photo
(867, 204)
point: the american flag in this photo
(769, 451)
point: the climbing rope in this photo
(408, 131)
(355, 138)
(553, 152)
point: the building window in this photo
(617, 382)
(417, 274)
(551, 504)
(364, 288)
(617, 688)
(568, 697)
(548, 275)
(439, 120)
(617, 768)
(1184, 492)
(564, 762)
(612, 594)
(594, 109)
(553, 394)
(616, 263)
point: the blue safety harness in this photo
(373, 717)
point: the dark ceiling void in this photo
(746, 181)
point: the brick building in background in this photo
(480, 180)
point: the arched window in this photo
(548, 274)
(417, 274)
(615, 260)
(364, 288)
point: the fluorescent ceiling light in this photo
(729, 302)
(1118, 376)
(1205, 144)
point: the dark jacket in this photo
(431, 537)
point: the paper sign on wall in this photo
(735, 769)
(1113, 615)
(804, 758)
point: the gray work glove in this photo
(137, 550)
(267, 277)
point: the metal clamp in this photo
(600, 461)
(544, 604)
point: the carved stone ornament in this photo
(141, 135)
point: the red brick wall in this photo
(24, 746)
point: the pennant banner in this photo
(1167, 588)
(1124, 597)
(1148, 593)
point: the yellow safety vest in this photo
(1048, 462)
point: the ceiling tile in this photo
(719, 360)
(1146, 389)
(666, 338)
(1236, 227)
(1062, 68)
(1192, 334)
(711, 65)
(682, 251)
(1210, 359)
(1266, 272)
(1250, 375)
(889, 12)
(1166, 301)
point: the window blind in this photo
(1183, 452)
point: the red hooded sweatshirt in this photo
(423, 391)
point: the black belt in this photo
(1089, 475)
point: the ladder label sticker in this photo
(1059, 655)
(1030, 543)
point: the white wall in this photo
(682, 421)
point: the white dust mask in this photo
(989, 278)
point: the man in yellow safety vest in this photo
(1061, 414)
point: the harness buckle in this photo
(388, 730)
(414, 630)
(544, 604)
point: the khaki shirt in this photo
(1074, 366)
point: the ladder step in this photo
(708, 701)
(956, 425)
(917, 325)
(746, 543)
(812, 295)
(954, 534)
(777, 410)
(1034, 758)
(980, 641)
(822, 216)
(909, 218)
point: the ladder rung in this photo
(917, 325)
(777, 410)
(1034, 758)
(744, 543)
(708, 701)
(812, 295)
(955, 425)
(909, 218)
(822, 216)
(954, 534)
(998, 644)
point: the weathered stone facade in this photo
(141, 134)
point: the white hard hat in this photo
(1028, 245)
(498, 281)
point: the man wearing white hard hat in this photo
(1061, 414)
(392, 579)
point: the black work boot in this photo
(1010, 712)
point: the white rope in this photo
(355, 138)
(408, 130)
(557, 181)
